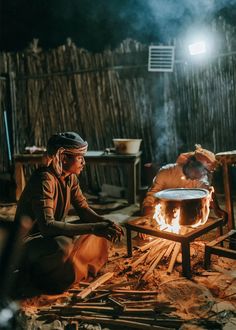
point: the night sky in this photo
(99, 24)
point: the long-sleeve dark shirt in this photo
(46, 200)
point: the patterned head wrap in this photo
(204, 156)
(64, 143)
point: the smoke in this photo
(95, 25)
(158, 20)
(171, 9)
(109, 22)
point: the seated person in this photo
(191, 170)
(57, 253)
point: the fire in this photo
(174, 227)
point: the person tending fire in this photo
(191, 170)
(59, 253)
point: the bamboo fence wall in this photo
(111, 94)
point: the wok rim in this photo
(156, 195)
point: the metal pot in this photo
(193, 205)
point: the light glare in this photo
(197, 48)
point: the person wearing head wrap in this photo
(192, 170)
(58, 253)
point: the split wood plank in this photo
(154, 251)
(173, 258)
(154, 264)
(150, 244)
(169, 250)
(94, 285)
(139, 260)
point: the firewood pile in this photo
(120, 298)
(154, 252)
(160, 251)
(115, 305)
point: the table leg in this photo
(186, 265)
(228, 196)
(132, 186)
(138, 166)
(19, 179)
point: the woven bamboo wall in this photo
(108, 95)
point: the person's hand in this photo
(108, 230)
(119, 229)
(143, 236)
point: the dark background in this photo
(99, 24)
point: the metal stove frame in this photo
(184, 239)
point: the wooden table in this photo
(131, 161)
(226, 159)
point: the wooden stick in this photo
(154, 251)
(140, 302)
(154, 264)
(142, 292)
(118, 285)
(170, 323)
(139, 260)
(84, 293)
(116, 304)
(169, 250)
(119, 322)
(98, 297)
(149, 245)
(173, 258)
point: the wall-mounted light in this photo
(200, 43)
(197, 48)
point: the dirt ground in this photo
(207, 301)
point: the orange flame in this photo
(174, 227)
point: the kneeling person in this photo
(57, 253)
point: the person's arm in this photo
(85, 213)
(44, 209)
(149, 201)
